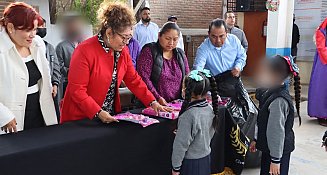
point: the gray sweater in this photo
(241, 36)
(276, 127)
(194, 134)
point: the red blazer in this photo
(89, 78)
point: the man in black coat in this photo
(295, 38)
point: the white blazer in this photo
(14, 82)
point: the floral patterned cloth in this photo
(108, 104)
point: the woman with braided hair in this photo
(196, 126)
(276, 115)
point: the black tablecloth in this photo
(89, 147)
(93, 148)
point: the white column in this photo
(279, 29)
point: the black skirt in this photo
(33, 114)
(196, 166)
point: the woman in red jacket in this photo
(98, 67)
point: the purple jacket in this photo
(134, 50)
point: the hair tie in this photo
(293, 66)
(194, 74)
(207, 73)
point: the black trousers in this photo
(266, 160)
(57, 108)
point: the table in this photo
(90, 148)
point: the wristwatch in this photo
(153, 102)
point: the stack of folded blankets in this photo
(176, 105)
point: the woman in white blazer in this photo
(25, 89)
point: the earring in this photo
(108, 39)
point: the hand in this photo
(253, 148)
(162, 101)
(54, 90)
(123, 85)
(324, 144)
(274, 169)
(236, 72)
(157, 107)
(175, 131)
(175, 173)
(105, 117)
(10, 127)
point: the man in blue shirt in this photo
(146, 31)
(220, 52)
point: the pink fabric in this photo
(136, 118)
(176, 105)
(170, 82)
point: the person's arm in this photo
(135, 83)
(61, 59)
(245, 43)
(138, 51)
(181, 41)
(144, 68)
(321, 46)
(278, 112)
(240, 61)
(200, 59)
(79, 77)
(187, 67)
(183, 139)
(55, 79)
(135, 35)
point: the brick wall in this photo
(196, 14)
(3, 5)
(191, 14)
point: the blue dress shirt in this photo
(146, 34)
(220, 59)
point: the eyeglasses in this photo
(126, 39)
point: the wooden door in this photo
(253, 28)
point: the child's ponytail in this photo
(215, 102)
(297, 91)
